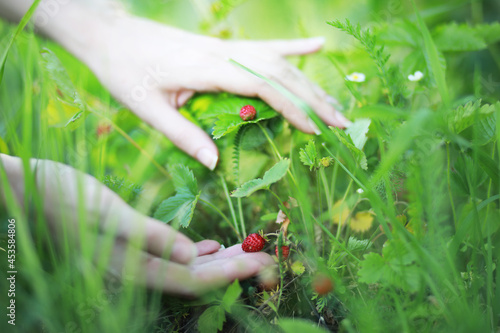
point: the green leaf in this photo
(228, 123)
(232, 294)
(465, 115)
(357, 131)
(271, 176)
(19, 28)
(183, 179)
(309, 155)
(396, 267)
(290, 325)
(490, 33)
(212, 320)
(181, 206)
(346, 140)
(56, 71)
(433, 58)
(253, 137)
(454, 37)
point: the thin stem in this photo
(242, 219)
(230, 204)
(224, 217)
(449, 184)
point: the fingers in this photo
(177, 279)
(294, 46)
(187, 136)
(156, 237)
(223, 254)
(207, 247)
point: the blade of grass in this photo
(433, 58)
(20, 27)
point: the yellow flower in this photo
(340, 212)
(361, 222)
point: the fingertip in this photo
(207, 246)
(208, 157)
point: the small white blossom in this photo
(417, 76)
(360, 190)
(222, 247)
(356, 77)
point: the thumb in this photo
(294, 46)
(156, 111)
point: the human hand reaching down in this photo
(164, 259)
(154, 69)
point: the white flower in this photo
(356, 77)
(359, 190)
(416, 77)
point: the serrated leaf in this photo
(490, 33)
(271, 176)
(454, 37)
(357, 131)
(289, 325)
(183, 179)
(212, 320)
(464, 116)
(309, 155)
(231, 295)
(298, 268)
(358, 244)
(346, 140)
(397, 267)
(228, 123)
(181, 206)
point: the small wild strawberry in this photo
(253, 243)
(247, 112)
(285, 251)
(322, 284)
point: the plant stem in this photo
(231, 208)
(224, 217)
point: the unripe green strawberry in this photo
(253, 243)
(247, 112)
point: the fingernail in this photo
(315, 128)
(207, 158)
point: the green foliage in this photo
(309, 155)
(7, 43)
(465, 115)
(466, 38)
(58, 74)
(213, 318)
(347, 141)
(181, 206)
(396, 267)
(300, 325)
(271, 176)
(126, 190)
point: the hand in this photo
(165, 259)
(154, 69)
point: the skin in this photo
(153, 69)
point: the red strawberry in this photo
(285, 251)
(253, 243)
(322, 284)
(247, 112)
